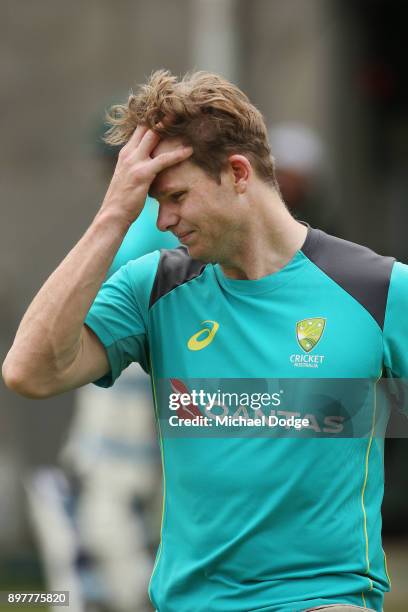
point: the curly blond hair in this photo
(203, 109)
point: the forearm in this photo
(48, 339)
(53, 351)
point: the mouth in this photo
(185, 238)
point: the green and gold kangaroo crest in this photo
(309, 332)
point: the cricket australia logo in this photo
(308, 334)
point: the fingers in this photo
(142, 142)
(143, 148)
(165, 160)
(136, 138)
(149, 141)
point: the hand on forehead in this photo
(165, 147)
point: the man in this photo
(249, 523)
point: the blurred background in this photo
(330, 78)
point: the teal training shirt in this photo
(263, 523)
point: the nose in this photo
(167, 217)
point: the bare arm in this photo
(53, 350)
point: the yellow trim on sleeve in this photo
(386, 569)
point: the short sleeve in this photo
(119, 316)
(396, 323)
(396, 335)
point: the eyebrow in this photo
(165, 192)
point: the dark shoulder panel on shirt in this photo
(175, 268)
(362, 273)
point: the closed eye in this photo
(176, 197)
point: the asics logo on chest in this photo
(204, 336)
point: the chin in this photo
(200, 254)
(203, 255)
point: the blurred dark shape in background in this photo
(304, 175)
(381, 78)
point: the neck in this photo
(269, 239)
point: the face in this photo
(204, 215)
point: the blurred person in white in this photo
(112, 465)
(304, 175)
(117, 464)
(116, 460)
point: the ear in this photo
(241, 170)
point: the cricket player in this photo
(251, 522)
